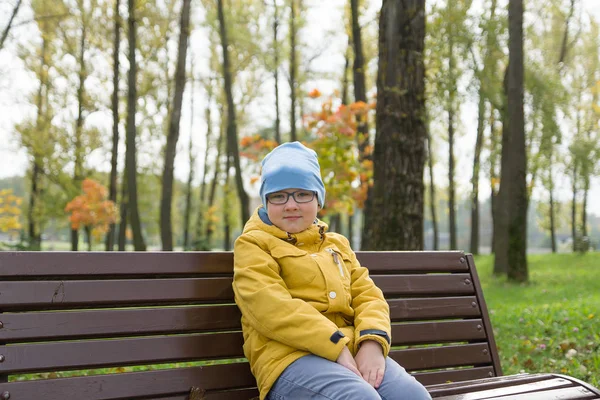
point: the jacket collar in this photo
(260, 221)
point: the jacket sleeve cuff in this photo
(336, 344)
(376, 335)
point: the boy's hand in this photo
(345, 359)
(371, 362)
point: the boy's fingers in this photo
(372, 377)
(380, 373)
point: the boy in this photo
(314, 323)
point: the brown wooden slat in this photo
(437, 332)
(443, 357)
(580, 383)
(425, 284)
(571, 393)
(237, 394)
(232, 395)
(154, 350)
(427, 261)
(65, 294)
(55, 263)
(456, 375)
(102, 353)
(548, 384)
(125, 386)
(118, 293)
(38, 264)
(446, 389)
(437, 307)
(23, 327)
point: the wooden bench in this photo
(95, 315)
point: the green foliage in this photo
(550, 324)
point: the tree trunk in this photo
(293, 69)
(360, 87)
(494, 178)
(563, 47)
(226, 206)
(130, 152)
(10, 21)
(166, 201)
(517, 173)
(360, 91)
(345, 82)
(394, 215)
(276, 71)
(122, 238)
(35, 235)
(432, 206)
(335, 223)
(574, 237)
(344, 99)
(552, 222)
(202, 201)
(112, 186)
(88, 237)
(213, 185)
(475, 177)
(501, 206)
(192, 160)
(584, 245)
(232, 140)
(78, 168)
(450, 107)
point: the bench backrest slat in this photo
(80, 311)
(156, 383)
(39, 326)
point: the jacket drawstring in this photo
(291, 239)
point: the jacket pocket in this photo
(297, 269)
(343, 263)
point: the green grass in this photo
(550, 324)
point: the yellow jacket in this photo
(302, 293)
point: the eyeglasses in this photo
(300, 196)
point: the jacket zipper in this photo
(336, 260)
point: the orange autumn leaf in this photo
(313, 94)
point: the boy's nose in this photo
(291, 204)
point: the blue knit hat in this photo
(288, 166)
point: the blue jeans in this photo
(313, 377)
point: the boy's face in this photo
(292, 217)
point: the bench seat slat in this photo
(453, 375)
(571, 393)
(440, 307)
(449, 388)
(547, 384)
(166, 382)
(69, 264)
